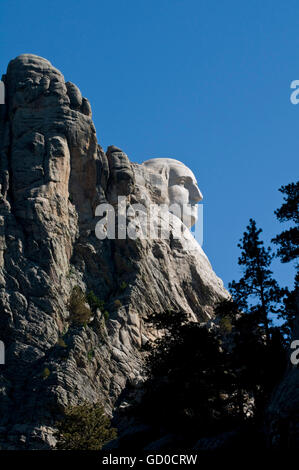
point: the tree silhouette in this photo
(190, 389)
(206, 379)
(258, 350)
(288, 242)
(257, 292)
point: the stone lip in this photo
(53, 174)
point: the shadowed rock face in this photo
(53, 174)
(282, 415)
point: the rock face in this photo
(53, 175)
(282, 417)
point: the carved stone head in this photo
(181, 185)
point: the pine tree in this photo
(84, 427)
(257, 349)
(257, 292)
(188, 390)
(288, 242)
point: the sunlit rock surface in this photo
(53, 175)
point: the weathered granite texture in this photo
(53, 174)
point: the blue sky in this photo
(207, 83)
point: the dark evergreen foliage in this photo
(257, 292)
(203, 380)
(288, 240)
(84, 427)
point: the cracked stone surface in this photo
(53, 174)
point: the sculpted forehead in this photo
(174, 168)
(178, 170)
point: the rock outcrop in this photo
(53, 175)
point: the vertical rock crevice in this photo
(53, 175)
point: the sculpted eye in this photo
(181, 181)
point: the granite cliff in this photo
(53, 175)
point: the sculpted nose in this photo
(195, 194)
